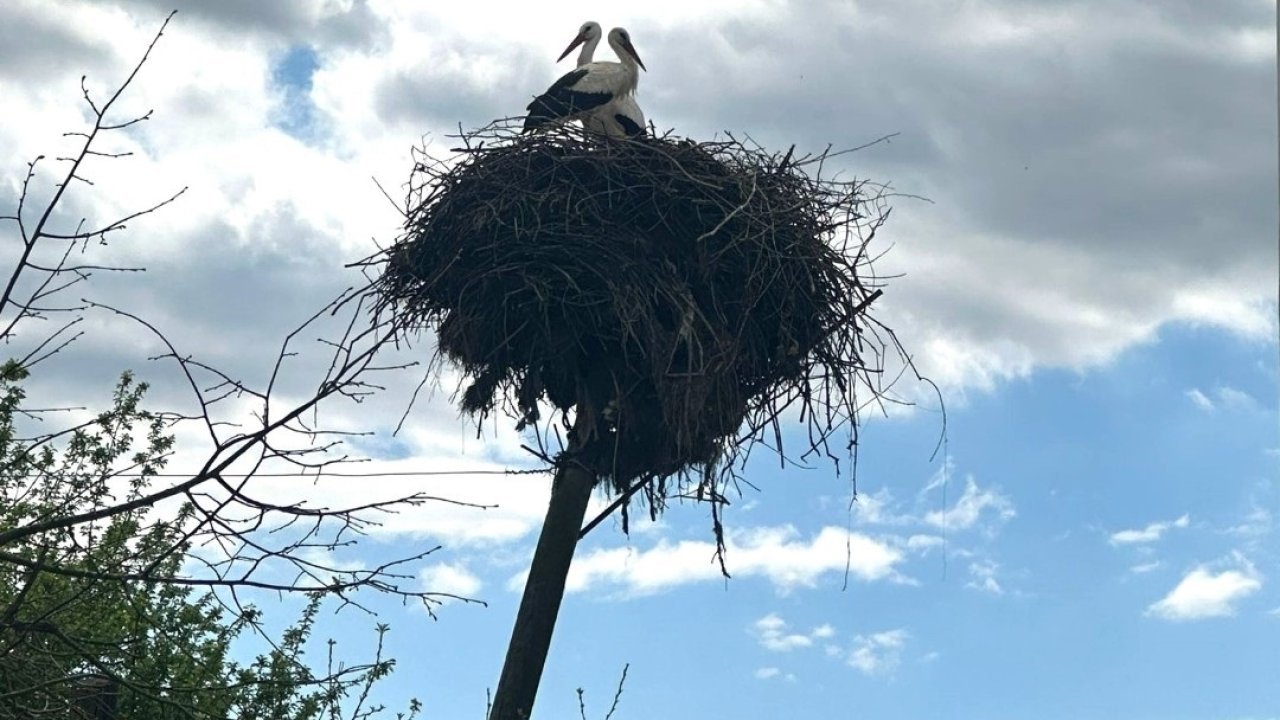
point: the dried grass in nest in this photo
(676, 295)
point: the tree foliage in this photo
(85, 634)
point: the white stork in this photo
(621, 117)
(591, 86)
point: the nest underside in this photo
(666, 291)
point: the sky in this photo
(1091, 282)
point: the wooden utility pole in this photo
(543, 591)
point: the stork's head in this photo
(620, 41)
(589, 31)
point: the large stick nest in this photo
(677, 296)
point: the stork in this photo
(591, 86)
(622, 117)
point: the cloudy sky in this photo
(1092, 284)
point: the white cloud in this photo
(1236, 399)
(1256, 523)
(968, 510)
(766, 673)
(983, 574)
(1145, 567)
(772, 633)
(924, 543)
(1203, 593)
(1251, 317)
(1200, 400)
(451, 579)
(1150, 533)
(877, 654)
(1224, 397)
(875, 509)
(778, 554)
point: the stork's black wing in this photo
(629, 125)
(561, 101)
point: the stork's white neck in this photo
(628, 62)
(588, 52)
(623, 55)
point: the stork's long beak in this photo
(576, 42)
(632, 49)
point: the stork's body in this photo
(592, 88)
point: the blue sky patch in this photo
(293, 73)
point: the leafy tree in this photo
(85, 635)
